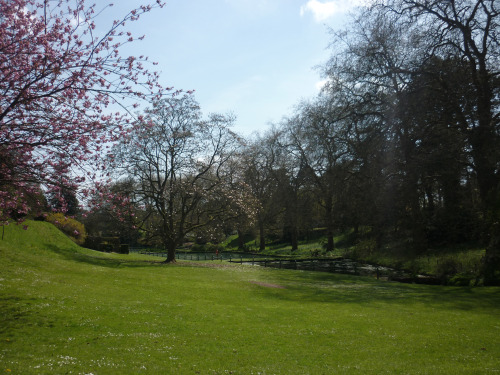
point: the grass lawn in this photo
(67, 310)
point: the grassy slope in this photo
(69, 310)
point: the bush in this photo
(211, 248)
(105, 247)
(124, 249)
(462, 279)
(71, 227)
(446, 268)
(206, 248)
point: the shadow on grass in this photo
(336, 288)
(100, 260)
(14, 313)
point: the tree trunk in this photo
(295, 238)
(483, 142)
(330, 245)
(171, 247)
(491, 260)
(241, 240)
(262, 237)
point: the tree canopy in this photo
(61, 85)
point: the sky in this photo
(255, 59)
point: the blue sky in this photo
(254, 58)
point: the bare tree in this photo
(259, 164)
(178, 161)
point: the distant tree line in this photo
(404, 138)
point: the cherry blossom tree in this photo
(66, 95)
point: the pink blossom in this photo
(56, 83)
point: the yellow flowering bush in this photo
(71, 227)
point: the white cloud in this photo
(324, 10)
(320, 84)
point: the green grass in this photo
(67, 310)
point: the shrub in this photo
(211, 248)
(124, 249)
(71, 227)
(461, 279)
(446, 268)
(206, 248)
(105, 247)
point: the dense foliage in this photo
(69, 226)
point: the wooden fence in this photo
(333, 265)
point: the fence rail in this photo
(338, 265)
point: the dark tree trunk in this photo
(241, 240)
(484, 141)
(491, 260)
(294, 238)
(330, 245)
(262, 236)
(171, 247)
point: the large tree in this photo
(259, 165)
(357, 118)
(61, 84)
(317, 138)
(180, 164)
